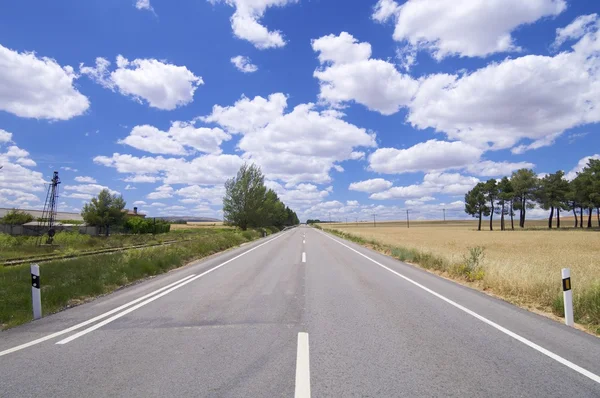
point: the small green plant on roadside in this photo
(471, 267)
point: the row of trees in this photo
(524, 190)
(249, 204)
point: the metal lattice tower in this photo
(50, 209)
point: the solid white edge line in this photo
(92, 320)
(129, 310)
(302, 367)
(303, 257)
(502, 329)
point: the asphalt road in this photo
(300, 314)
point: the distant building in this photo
(135, 213)
(60, 216)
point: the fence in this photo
(35, 230)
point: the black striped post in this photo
(36, 297)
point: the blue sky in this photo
(350, 107)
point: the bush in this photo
(71, 238)
(16, 217)
(472, 266)
(7, 241)
(137, 225)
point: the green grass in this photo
(69, 282)
(17, 247)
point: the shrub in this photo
(16, 217)
(7, 241)
(137, 225)
(472, 266)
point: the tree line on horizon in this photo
(524, 190)
(249, 204)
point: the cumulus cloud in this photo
(19, 184)
(488, 168)
(425, 156)
(180, 136)
(85, 191)
(277, 141)
(244, 64)
(445, 183)
(85, 179)
(162, 85)
(245, 21)
(348, 73)
(38, 87)
(581, 26)
(371, 186)
(162, 192)
(468, 28)
(143, 5)
(529, 100)
(580, 166)
(206, 169)
(248, 115)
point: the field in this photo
(198, 225)
(523, 266)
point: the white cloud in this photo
(39, 88)
(85, 191)
(446, 183)
(581, 26)
(206, 169)
(245, 22)
(371, 186)
(18, 183)
(141, 178)
(278, 141)
(202, 195)
(348, 73)
(174, 142)
(580, 166)
(300, 196)
(129, 187)
(143, 5)
(425, 156)
(488, 168)
(162, 192)
(68, 168)
(89, 180)
(352, 203)
(164, 86)
(140, 203)
(244, 64)
(472, 28)
(419, 201)
(248, 115)
(158, 204)
(5, 136)
(532, 98)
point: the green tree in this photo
(552, 195)
(593, 170)
(244, 196)
(16, 217)
(105, 210)
(490, 189)
(476, 203)
(505, 195)
(524, 183)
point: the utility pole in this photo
(444, 214)
(346, 220)
(374, 223)
(407, 219)
(329, 217)
(357, 221)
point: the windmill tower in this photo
(50, 209)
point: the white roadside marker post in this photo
(567, 296)
(36, 297)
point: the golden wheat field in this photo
(196, 225)
(522, 265)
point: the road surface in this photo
(301, 313)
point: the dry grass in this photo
(197, 225)
(523, 266)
